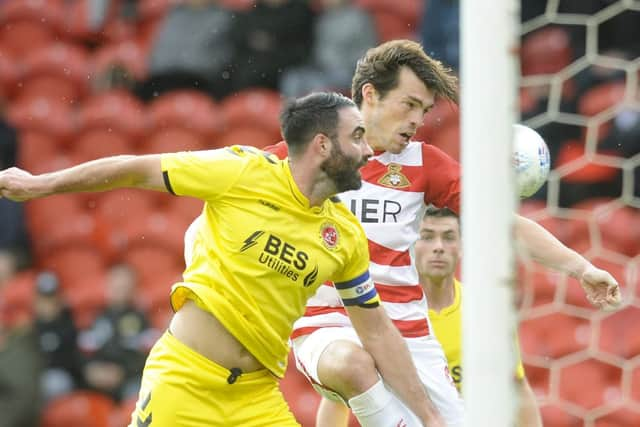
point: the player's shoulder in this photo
(340, 213)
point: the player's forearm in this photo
(102, 175)
(546, 249)
(394, 363)
(528, 413)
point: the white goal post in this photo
(489, 70)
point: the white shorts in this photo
(427, 355)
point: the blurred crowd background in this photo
(84, 279)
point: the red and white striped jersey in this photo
(395, 191)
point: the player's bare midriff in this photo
(203, 333)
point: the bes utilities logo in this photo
(281, 257)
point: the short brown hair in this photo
(435, 212)
(381, 65)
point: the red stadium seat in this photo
(97, 143)
(245, 136)
(28, 25)
(16, 298)
(545, 51)
(619, 231)
(117, 207)
(258, 108)
(539, 379)
(128, 55)
(538, 284)
(168, 140)
(635, 384)
(48, 12)
(162, 229)
(616, 337)
(590, 383)
(43, 115)
(152, 9)
(619, 418)
(42, 213)
(154, 264)
(78, 228)
(155, 300)
(80, 408)
(409, 11)
(9, 73)
(116, 110)
(122, 416)
(554, 335)
(600, 98)
(58, 71)
(113, 211)
(571, 157)
(185, 207)
(391, 26)
(36, 149)
(74, 264)
(186, 109)
(553, 416)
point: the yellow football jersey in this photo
(260, 251)
(447, 325)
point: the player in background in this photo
(395, 84)
(437, 254)
(269, 234)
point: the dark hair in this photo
(381, 66)
(303, 118)
(435, 212)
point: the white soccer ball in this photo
(530, 160)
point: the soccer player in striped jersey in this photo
(395, 85)
(269, 235)
(437, 254)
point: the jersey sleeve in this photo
(356, 287)
(203, 174)
(280, 149)
(443, 187)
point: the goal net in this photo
(579, 89)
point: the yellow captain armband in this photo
(359, 291)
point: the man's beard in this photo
(342, 170)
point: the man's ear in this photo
(322, 145)
(369, 93)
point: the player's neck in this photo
(312, 183)
(440, 293)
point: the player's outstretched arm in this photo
(97, 175)
(601, 288)
(392, 358)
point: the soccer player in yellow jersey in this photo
(271, 234)
(437, 253)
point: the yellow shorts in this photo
(181, 388)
